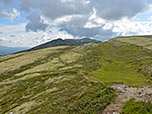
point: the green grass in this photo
(62, 90)
(65, 87)
(144, 41)
(132, 107)
(112, 73)
(117, 62)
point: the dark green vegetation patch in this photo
(132, 107)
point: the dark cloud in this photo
(78, 21)
(35, 23)
(6, 2)
(12, 36)
(117, 9)
(87, 32)
(107, 9)
(1, 32)
(55, 8)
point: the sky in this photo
(27, 23)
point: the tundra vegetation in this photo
(74, 79)
(50, 81)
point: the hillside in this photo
(79, 79)
(66, 42)
(124, 59)
(143, 41)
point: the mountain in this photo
(66, 42)
(108, 77)
(8, 50)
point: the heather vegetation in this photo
(74, 79)
(132, 107)
(51, 83)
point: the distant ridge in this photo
(9, 50)
(66, 42)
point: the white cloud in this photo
(127, 27)
(11, 15)
(150, 18)
(27, 39)
(108, 26)
(7, 11)
(57, 21)
(83, 18)
(10, 29)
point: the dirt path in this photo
(124, 93)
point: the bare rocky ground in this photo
(125, 93)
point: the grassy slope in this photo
(144, 41)
(50, 82)
(120, 62)
(54, 80)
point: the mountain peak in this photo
(65, 42)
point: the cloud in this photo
(117, 9)
(96, 32)
(109, 9)
(5, 3)
(54, 9)
(11, 29)
(27, 39)
(80, 12)
(1, 32)
(12, 36)
(126, 27)
(150, 18)
(7, 11)
(11, 15)
(35, 23)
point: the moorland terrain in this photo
(94, 78)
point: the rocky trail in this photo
(125, 93)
